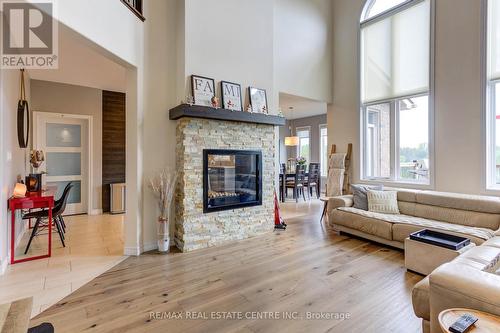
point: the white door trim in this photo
(90, 119)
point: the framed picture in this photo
(203, 89)
(258, 100)
(231, 96)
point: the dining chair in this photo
(41, 215)
(313, 179)
(282, 181)
(298, 182)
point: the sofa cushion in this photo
(350, 219)
(421, 300)
(385, 202)
(486, 256)
(480, 234)
(401, 231)
(455, 216)
(473, 203)
(493, 242)
(359, 193)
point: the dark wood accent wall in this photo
(113, 143)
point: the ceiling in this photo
(302, 107)
(82, 65)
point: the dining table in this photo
(43, 199)
(284, 177)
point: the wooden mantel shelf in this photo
(205, 112)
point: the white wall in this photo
(71, 99)
(231, 40)
(161, 32)
(303, 48)
(458, 134)
(107, 23)
(82, 65)
(12, 158)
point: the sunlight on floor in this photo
(94, 244)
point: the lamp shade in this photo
(291, 141)
(19, 191)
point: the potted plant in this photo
(301, 160)
(163, 186)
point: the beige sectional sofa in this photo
(470, 281)
(475, 217)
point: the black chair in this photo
(57, 212)
(298, 183)
(282, 181)
(313, 179)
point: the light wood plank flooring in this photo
(94, 244)
(307, 268)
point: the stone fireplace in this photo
(230, 147)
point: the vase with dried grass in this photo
(163, 186)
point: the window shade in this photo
(493, 39)
(395, 54)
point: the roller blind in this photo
(494, 39)
(395, 54)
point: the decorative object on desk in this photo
(34, 180)
(249, 108)
(215, 102)
(163, 186)
(258, 99)
(203, 89)
(23, 116)
(301, 160)
(231, 96)
(19, 191)
(189, 100)
(292, 140)
(36, 159)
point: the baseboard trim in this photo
(132, 251)
(138, 250)
(96, 212)
(3, 265)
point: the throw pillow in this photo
(385, 202)
(359, 194)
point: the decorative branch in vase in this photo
(163, 186)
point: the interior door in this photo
(64, 141)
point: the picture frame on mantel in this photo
(203, 89)
(232, 98)
(258, 100)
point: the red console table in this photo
(44, 199)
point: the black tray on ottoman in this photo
(451, 242)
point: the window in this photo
(493, 93)
(395, 85)
(375, 8)
(304, 147)
(323, 150)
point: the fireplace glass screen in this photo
(232, 179)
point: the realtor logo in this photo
(29, 35)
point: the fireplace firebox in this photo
(231, 179)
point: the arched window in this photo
(376, 7)
(395, 86)
(493, 93)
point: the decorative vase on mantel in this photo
(163, 235)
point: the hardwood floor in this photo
(307, 268)
(94, 244)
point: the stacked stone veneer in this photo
(195, 229)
